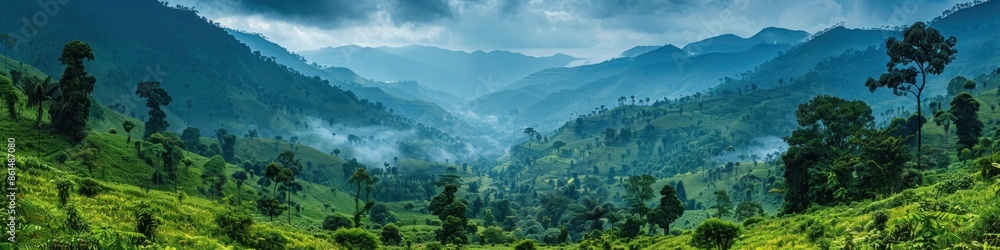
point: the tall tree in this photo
(825, 125)
(215, 175)
(239, 177)
(669, 209)
(155, 97)
(681, 192)
(69, 112)
(928, 52)
(944, 118)
(723, 205)
(639, 191)
(968, 127)
(38, 92)
(363, 182)
(451, 210)
(128, 126)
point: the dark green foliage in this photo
(923, 51)
(64, 187)
(192, 140)
(968, 127)
(879, 218)
(90, 187)
(715, 234)
(815, 230)
(337, 221)
(235, 225)
(356, 238)
(631, 228)
(526, 244)
(75, 222)
(229, 148)
(681, 191)
(69, 112)
(270, 206)
(146, 221)
(155, 97)
(390, 235)
(9, 95)
(749, 209)
(950, 186)
(451, 210)
(381, 215)
(669, 209)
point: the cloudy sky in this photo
(597, 29)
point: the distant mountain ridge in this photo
(730, 43)
(454, 72)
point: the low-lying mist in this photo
(374, 145)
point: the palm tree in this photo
(594, 209)
(8, 41)
(38, 92)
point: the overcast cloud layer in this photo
(598, 29)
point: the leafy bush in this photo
(90, 187)
(525, 245)
(390, 235)
(75, 222)
(950, 186)
(380, 214)
(356, 238)
(269, 239)
(434, 246)
(235, 225)
(64, 187)
(879, 218)
(815, 230)
(986, 166)
(31, 164)
(146, 221)
(715, 233)
(987, 227)
(337, 221)
(753, 220)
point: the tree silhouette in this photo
(69, 112)
(928, 52)
(530, 132)
(968, 127)
(155, 97)
(362, 180)
(944, 118)
(128, 126)
(669, 209)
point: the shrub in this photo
(879, 218)
(987, 227)
(715, 233)
(380, 214)
(356, 238)
(268, 240)
(235, 225)
(337, 221)
(753, 220)
(32, 164)
(815, 230)
(434, 246)
(986, 167)
(75, 222)
(146, 221)
(951, 186)
(390, 235)
(90, 187)
(112, 131)
(525, 245)
(64, 187)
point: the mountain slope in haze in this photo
(397, 96)
(455, 72)
(637, 50)
(215, 81)
(730, 43)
